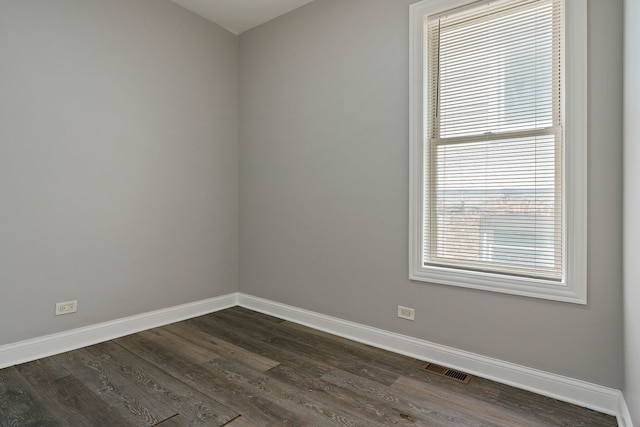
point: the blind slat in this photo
(494, 169)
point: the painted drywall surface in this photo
(118, 161)
(632, 207)
(323, 95)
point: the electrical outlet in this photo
(66, 307)
(406, 313)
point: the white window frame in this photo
(573, 288)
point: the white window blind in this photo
(494, 174)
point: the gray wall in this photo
(632, 208)
(118, 161)
(119, 177)
(323, 95)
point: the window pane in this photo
(495, 72)
(495, 206)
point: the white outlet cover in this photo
(406, 313)
(66, 307)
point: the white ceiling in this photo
(238, 16)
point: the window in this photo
(498, 146)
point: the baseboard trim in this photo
(582, 393)
(598, 398)
(624, 416)
(37, 348)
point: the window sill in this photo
(528, 287)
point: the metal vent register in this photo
(446, 372)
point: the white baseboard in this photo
(582, 393)
(32, 349)
(624, 416)
(598, 398)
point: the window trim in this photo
(574, 288)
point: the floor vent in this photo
(446, 372)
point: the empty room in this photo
(319, 212)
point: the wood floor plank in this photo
(369, 352)
(240, 368)
(283, 355)
(221, 323)
(347, 349)
(190, 349)
(547, 411)
(125, 397)
(506, 402)
(377, 413)
(250, 382)
(19, 404)
(508, 398)
(195, 408)
(222, 347)
(399, 364)
(424, 412)
(41, 371)
(261, 409)
(69, 399)
(66, 398)
(298, 399)
(464, 403)
(309, 345)
(175, 421)
(240, 422)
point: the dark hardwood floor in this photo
(239, 368)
